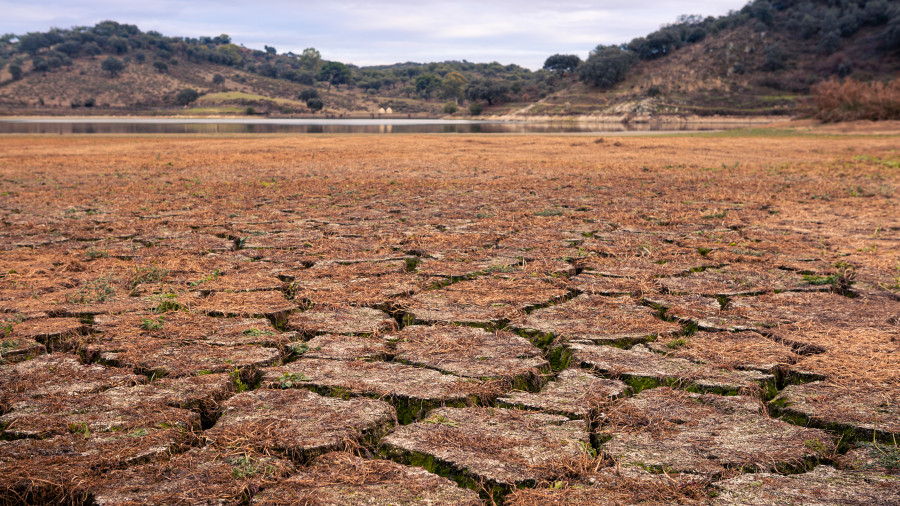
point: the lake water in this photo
(323, 126)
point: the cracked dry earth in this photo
(450, 320)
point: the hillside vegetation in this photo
(117, 66)
(764, 59)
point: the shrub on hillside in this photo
(186, 96)
(315, 104)
(775, 58)
(308, 94)
(850, 100)
(15, 71)
(39, 64)
(492, 91)
(113, 65)
(88, 102)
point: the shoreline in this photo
(590, 119)
(508, 116)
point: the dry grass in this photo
(743, 350)
(64, 470)
(679, 432)
(850, 100)
(204, 475)
(131, 249)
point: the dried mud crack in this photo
(450, 320)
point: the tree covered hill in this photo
(763, 59)
(759, 60)
(113, 65)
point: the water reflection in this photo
(63, 126)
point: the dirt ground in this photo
(274, 319)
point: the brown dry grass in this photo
(850, 100)
(81, 214)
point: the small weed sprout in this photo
(151, 274)
(247, 467)
(99, 290)
(239, 385)
(211, 277)
(166, 305)
(677, 343)
(895, 280)
(244, 467)
(256, 332)
(846, 273)
(80, 428)
(93, 254)
(816, 446)
(440, 420)
(152, 324)
(715, 215)
(341, 393)
(815, 280)
(289, 380)
(7, 345)
(299, 348)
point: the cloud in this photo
(385, 31)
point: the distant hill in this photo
(759, 60)
(77, 70)
(762, 59)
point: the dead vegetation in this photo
(335, 477)
(216, 299)
(850, 100)
(598, 320)
(670, 431)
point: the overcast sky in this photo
(385, 31)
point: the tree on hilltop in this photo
(310, 58)
(562, 64)
(335, 73)
(91, 49)
(606, 66)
